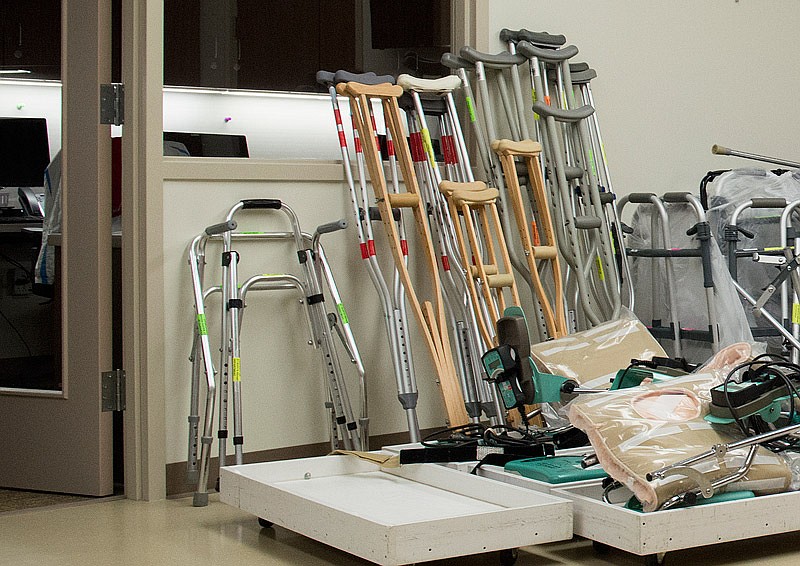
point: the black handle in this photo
(221, 228)
(267, 203)
(676, 197)
(768, 203)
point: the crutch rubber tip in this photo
(200, 499)
(720, 150)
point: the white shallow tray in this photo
(675, 529)
(410, 514)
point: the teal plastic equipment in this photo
(555, 470)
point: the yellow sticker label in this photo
(237, 369)
(600, 272)
(426, 141)
(795, 313)
(202, 328)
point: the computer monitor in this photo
(210, 145)
(24, 152)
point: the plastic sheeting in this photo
(650, 282)
(638, 430)
(728, 191)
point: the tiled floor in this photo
(174, 533)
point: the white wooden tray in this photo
(662, 531)
(414, 513)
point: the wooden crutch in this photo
(429, 315)
(531, 232)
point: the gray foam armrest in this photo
(562, 115)
(325, 77)
(453, 61)
(363, 78)
(549, 55)
(498, 61)
(583, 77)
(536, 37)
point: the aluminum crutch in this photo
(392, 304)
(429, 315)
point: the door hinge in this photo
(113, 383)
(112, 104)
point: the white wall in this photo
(676, 77)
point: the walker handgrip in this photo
(221, 228)
(264, 203)
(325, 77)
(676, 197)
(537, 37)
(768, 203)
(363, 78)
(452, 61)
(550, 55)
(331, 227)
(499, 61)
(641, 198)
(720, 150)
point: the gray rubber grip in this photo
(363, 78)
(640, 198)
(571, 172)
(607, 198)
(498, 61)
(563, 115)
(768, 203)
(578, 67)
(583, 77)
(453, 61)
(547, 55)
(331, 227)
(675, 197)
(262, 203)
(535, 37)
(325, 77)
(221, 228)
(587, 222)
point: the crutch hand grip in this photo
(720, 150)
(221, 228)
(264, 203)
(331, 227)
(536, 37)
(325, 77)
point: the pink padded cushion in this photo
(676, 405)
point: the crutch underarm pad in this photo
(562, 115)
(537, 37)
(509, 147)
(435, 86)
(550, 55)
(453, 61)
(578, 68)
(264, 203)
(501, 60)
(583, 77)
(382, 90)
(325, 77)
(363, 78)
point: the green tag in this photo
(426, 140)
(201, 325)
(471, 109)
(342, 313)
(600, 272)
